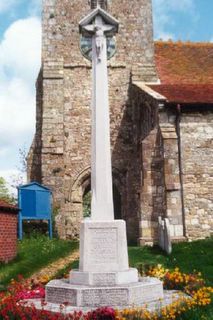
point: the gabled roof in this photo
(185, 71)
(33, 186)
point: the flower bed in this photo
(13, 306)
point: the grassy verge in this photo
(33, 254)
(197, 255)
(37, 252)
(198, 314)
(187, 257)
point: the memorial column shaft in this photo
(102, 196)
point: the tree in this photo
(4, 192)
(23, 159)
(19, 178)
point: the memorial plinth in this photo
(103, 255)
(104, 277)
(127, 295)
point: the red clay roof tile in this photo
(185, 71)
(195, 93)
(188, 63)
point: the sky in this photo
(20, 60)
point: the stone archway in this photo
(116, 199)
(73, 207)
(82, 186)
(81, 183)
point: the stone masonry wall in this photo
(197, 159)
(149, 146)
(156, 139)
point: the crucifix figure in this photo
(98, 27)
(99, 31)
(99, 41)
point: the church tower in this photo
(60, 154)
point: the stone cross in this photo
(101, 170)
(104, 277)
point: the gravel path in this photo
(51, 269)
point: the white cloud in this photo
(19, 65)
(17, 106)
(20, 49)
(164, 11)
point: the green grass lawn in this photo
(33, 254)
(188, 256)
(37, 252)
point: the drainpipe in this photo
(178, 120)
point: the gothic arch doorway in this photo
(87, 195)
(81, 195)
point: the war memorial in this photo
(104, 277)
(160, 110)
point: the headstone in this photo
(164, 235)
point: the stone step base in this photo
(135, 294)
(169, 298)
(102, 279)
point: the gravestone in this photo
(104, 277)
(164, 242)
